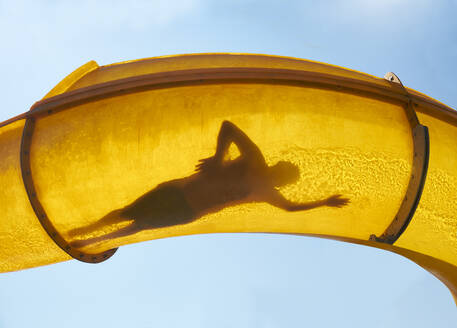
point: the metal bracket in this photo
(38, 208)
(389, 76)
(421, 144)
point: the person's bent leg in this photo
(111, 218)
(125, 231)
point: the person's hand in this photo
(207, 164)
(337, 201)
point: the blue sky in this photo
(233, 280)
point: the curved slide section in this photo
(215, 143)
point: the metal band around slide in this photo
(421, 145)
(38, 208)
(197, 76)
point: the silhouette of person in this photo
(218, 183)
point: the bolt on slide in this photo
(220, 143)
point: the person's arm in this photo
(276, 199)
(229, 133)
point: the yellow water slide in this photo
(215, 143)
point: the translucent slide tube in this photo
(214, 143)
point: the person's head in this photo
(283, 173)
